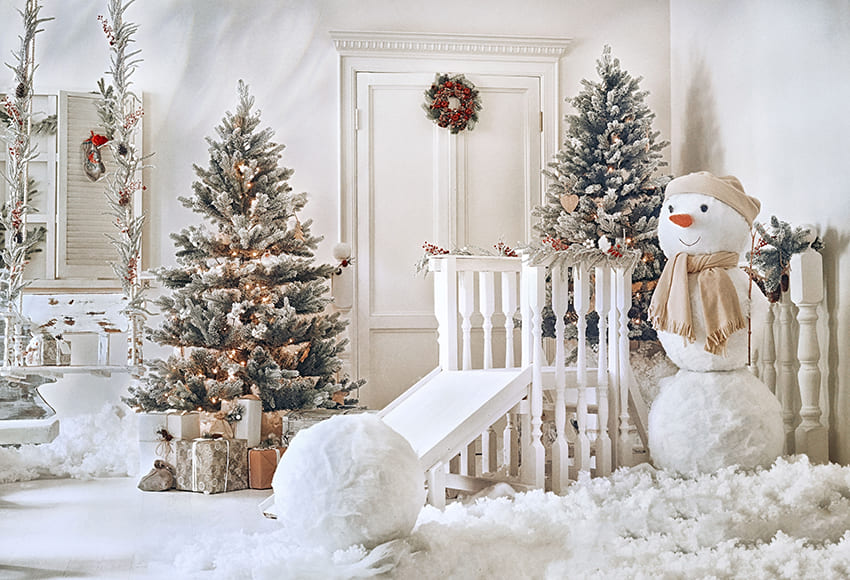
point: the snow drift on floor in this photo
(103, 444)
(789, 521)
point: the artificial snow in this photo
(103, 444)
(700, 422)
(348, 480)
(789, 521)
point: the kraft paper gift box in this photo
(211, 465)
(262, 464)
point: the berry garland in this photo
(453, 102)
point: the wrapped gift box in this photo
(261, 466)
(249, 426)
(295, 421)
(211, 465)
(184, 425)
(152, 442)
(271, 423)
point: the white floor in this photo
(107, 528)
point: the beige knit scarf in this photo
(670, 309)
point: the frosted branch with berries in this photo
(120, 112)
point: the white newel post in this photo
(807, 292)
(560, 447)
(614, 366)
(603, 440)
(445, 309)
(624, 302)
(509, 308)
(534, 456)
(581, 303)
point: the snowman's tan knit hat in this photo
(727, 189)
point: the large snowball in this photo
(349, 480)
(701, 422)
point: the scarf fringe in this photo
(684, 329)
(716, 343)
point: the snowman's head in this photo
(703, 214)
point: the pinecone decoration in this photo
(21, 90)
(122, 149)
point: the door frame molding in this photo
(390, 52)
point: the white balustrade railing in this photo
(476, 301)
(791, 358)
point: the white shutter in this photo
(82, 221)
(43, 170)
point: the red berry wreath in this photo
(453, 102)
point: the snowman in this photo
(713, 412)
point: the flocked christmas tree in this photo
(247, 313)
(603, 181)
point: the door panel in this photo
(416, 182)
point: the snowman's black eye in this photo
(670, 207)
(703, 208)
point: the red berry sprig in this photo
(433, 250)
(505, 250)
(556, 244)
(12, 112)
(107, 30)
(133, 118)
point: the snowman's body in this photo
(713, 412)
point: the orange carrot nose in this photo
(682, 219)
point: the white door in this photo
(415, 183)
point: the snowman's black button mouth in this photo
(692, 243)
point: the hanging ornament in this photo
(452, 102)
(569, 202)
(92, 163)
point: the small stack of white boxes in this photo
(155, 444)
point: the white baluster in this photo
(445, 308)
(509, 444)
(487, 306)
(581, 303)
(436, 478)
(535, 455)
(560, 447)
(807, 292)
(614, 365)
(509, 307)
(603, 440)
(488, 451)
(624, 302)
(466, 306)
(768, 351)
(786, 380)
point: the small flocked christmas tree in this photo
(247, 310)
(770, 258)
(603, 180)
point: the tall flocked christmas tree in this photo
(247, 310)
(603, 181)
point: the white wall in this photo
(760, 89)
(194, 52)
